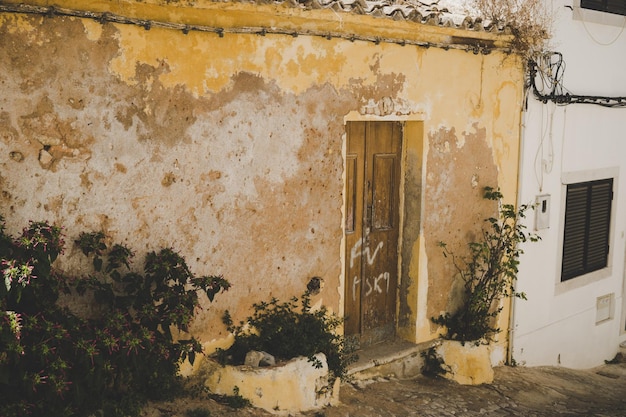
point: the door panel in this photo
(382, 187)
(372, 225)
(353, 228)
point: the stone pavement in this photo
(516, 391)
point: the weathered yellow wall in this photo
(229, 149)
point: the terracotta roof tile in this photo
(445, 13)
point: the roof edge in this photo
(281, 18)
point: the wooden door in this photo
(372, 229)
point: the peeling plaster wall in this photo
(230, 149)
(456, 210)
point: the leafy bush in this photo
(55, 362)
(488, 273)
(287, 331)
(434, 366)
(198, 412)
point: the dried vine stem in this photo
(530, 21)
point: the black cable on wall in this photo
(546, 81)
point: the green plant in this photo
(198, 412)
(488, 273)
(287, 331)
(235, 400)
(55, 362)
(619, 358)
(141, 310)
(434, 365)
(32, 342)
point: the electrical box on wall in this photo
(542, 211)
(604, 308)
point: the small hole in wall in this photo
(16, 156)
(315, 285)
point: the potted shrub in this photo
(311, 357)
(488, 274)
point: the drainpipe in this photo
(520, 170)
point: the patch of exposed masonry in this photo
(410, 233)
(454, 205)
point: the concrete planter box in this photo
(466, 363)
(292, 387)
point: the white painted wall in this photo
(557, 324)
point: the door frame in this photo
(374, 159)
(410, 313)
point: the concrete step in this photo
(396, 358)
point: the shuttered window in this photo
(587, 228)
(608, 6)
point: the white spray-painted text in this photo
(372, 284)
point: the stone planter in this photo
(292, 387)
(466, 363)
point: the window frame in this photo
(596, 275)
(603, 6)
(594, 16)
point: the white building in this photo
(573, 162)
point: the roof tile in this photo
(445, 13)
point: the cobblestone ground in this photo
(516, 391)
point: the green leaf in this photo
(97, 264)
(117, 277)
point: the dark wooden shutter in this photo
(593, 4)
(587, 227)
(608, 6)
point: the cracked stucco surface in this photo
(230, 149)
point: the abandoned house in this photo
(270, 142)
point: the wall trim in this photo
(355, 116)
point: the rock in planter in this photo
(466, 363)
(292, 387)
(256, 359)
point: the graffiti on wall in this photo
(373, 284)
